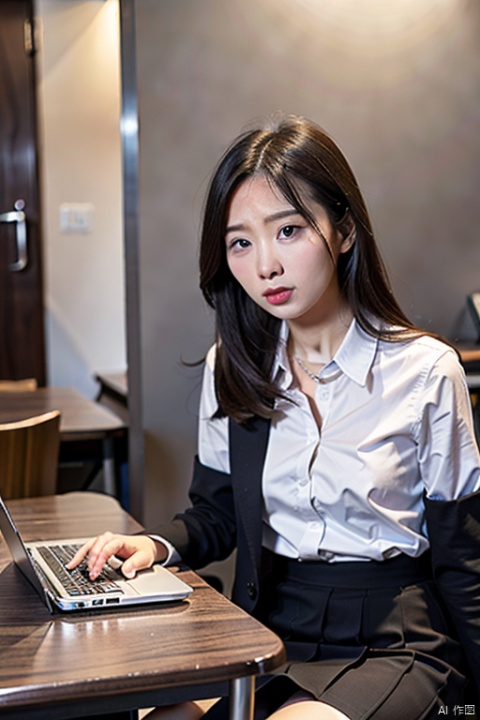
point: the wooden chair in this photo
(18, 385)
(29, 456)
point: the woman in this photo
(336, 449)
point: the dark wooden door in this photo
(22, 351)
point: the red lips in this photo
(278, 296)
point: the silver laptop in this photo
(43, 564)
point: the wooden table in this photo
(64, 666)
(113, 392)
(469, 355)
(470, 358)
(473, 382)
(81, 419)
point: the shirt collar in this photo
(281, 368)
(354, 357)
(356, 354)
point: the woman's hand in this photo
(137, 551)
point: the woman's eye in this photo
(238, 244)
(288, 231)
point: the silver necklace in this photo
(316, 377)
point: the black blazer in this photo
(226, 513)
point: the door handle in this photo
(18, 217)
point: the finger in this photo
(102, 550)
(80, 554)
(134, 563)
(141, 559)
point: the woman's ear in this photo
(348, 231)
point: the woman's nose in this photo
(268, 264)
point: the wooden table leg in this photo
(242, 698)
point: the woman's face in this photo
(280, 260)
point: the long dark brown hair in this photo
(303, 163)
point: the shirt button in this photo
(252, 590)
(324, 555)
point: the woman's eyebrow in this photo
(281, 214)
(269, 218)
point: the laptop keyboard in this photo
(77, 581)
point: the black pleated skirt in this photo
(371, 639)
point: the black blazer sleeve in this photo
(454, 533)
(206, 531)
(226, 512)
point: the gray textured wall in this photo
(396, 84)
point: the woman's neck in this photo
(317, 342)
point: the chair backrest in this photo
(18, 385)
(29, 456)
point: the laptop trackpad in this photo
(158, 580)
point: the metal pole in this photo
(242, 698)
(130, 152)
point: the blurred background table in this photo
(88, 429)
(113, 392)
(470, 358)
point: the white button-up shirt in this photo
(395, 421)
